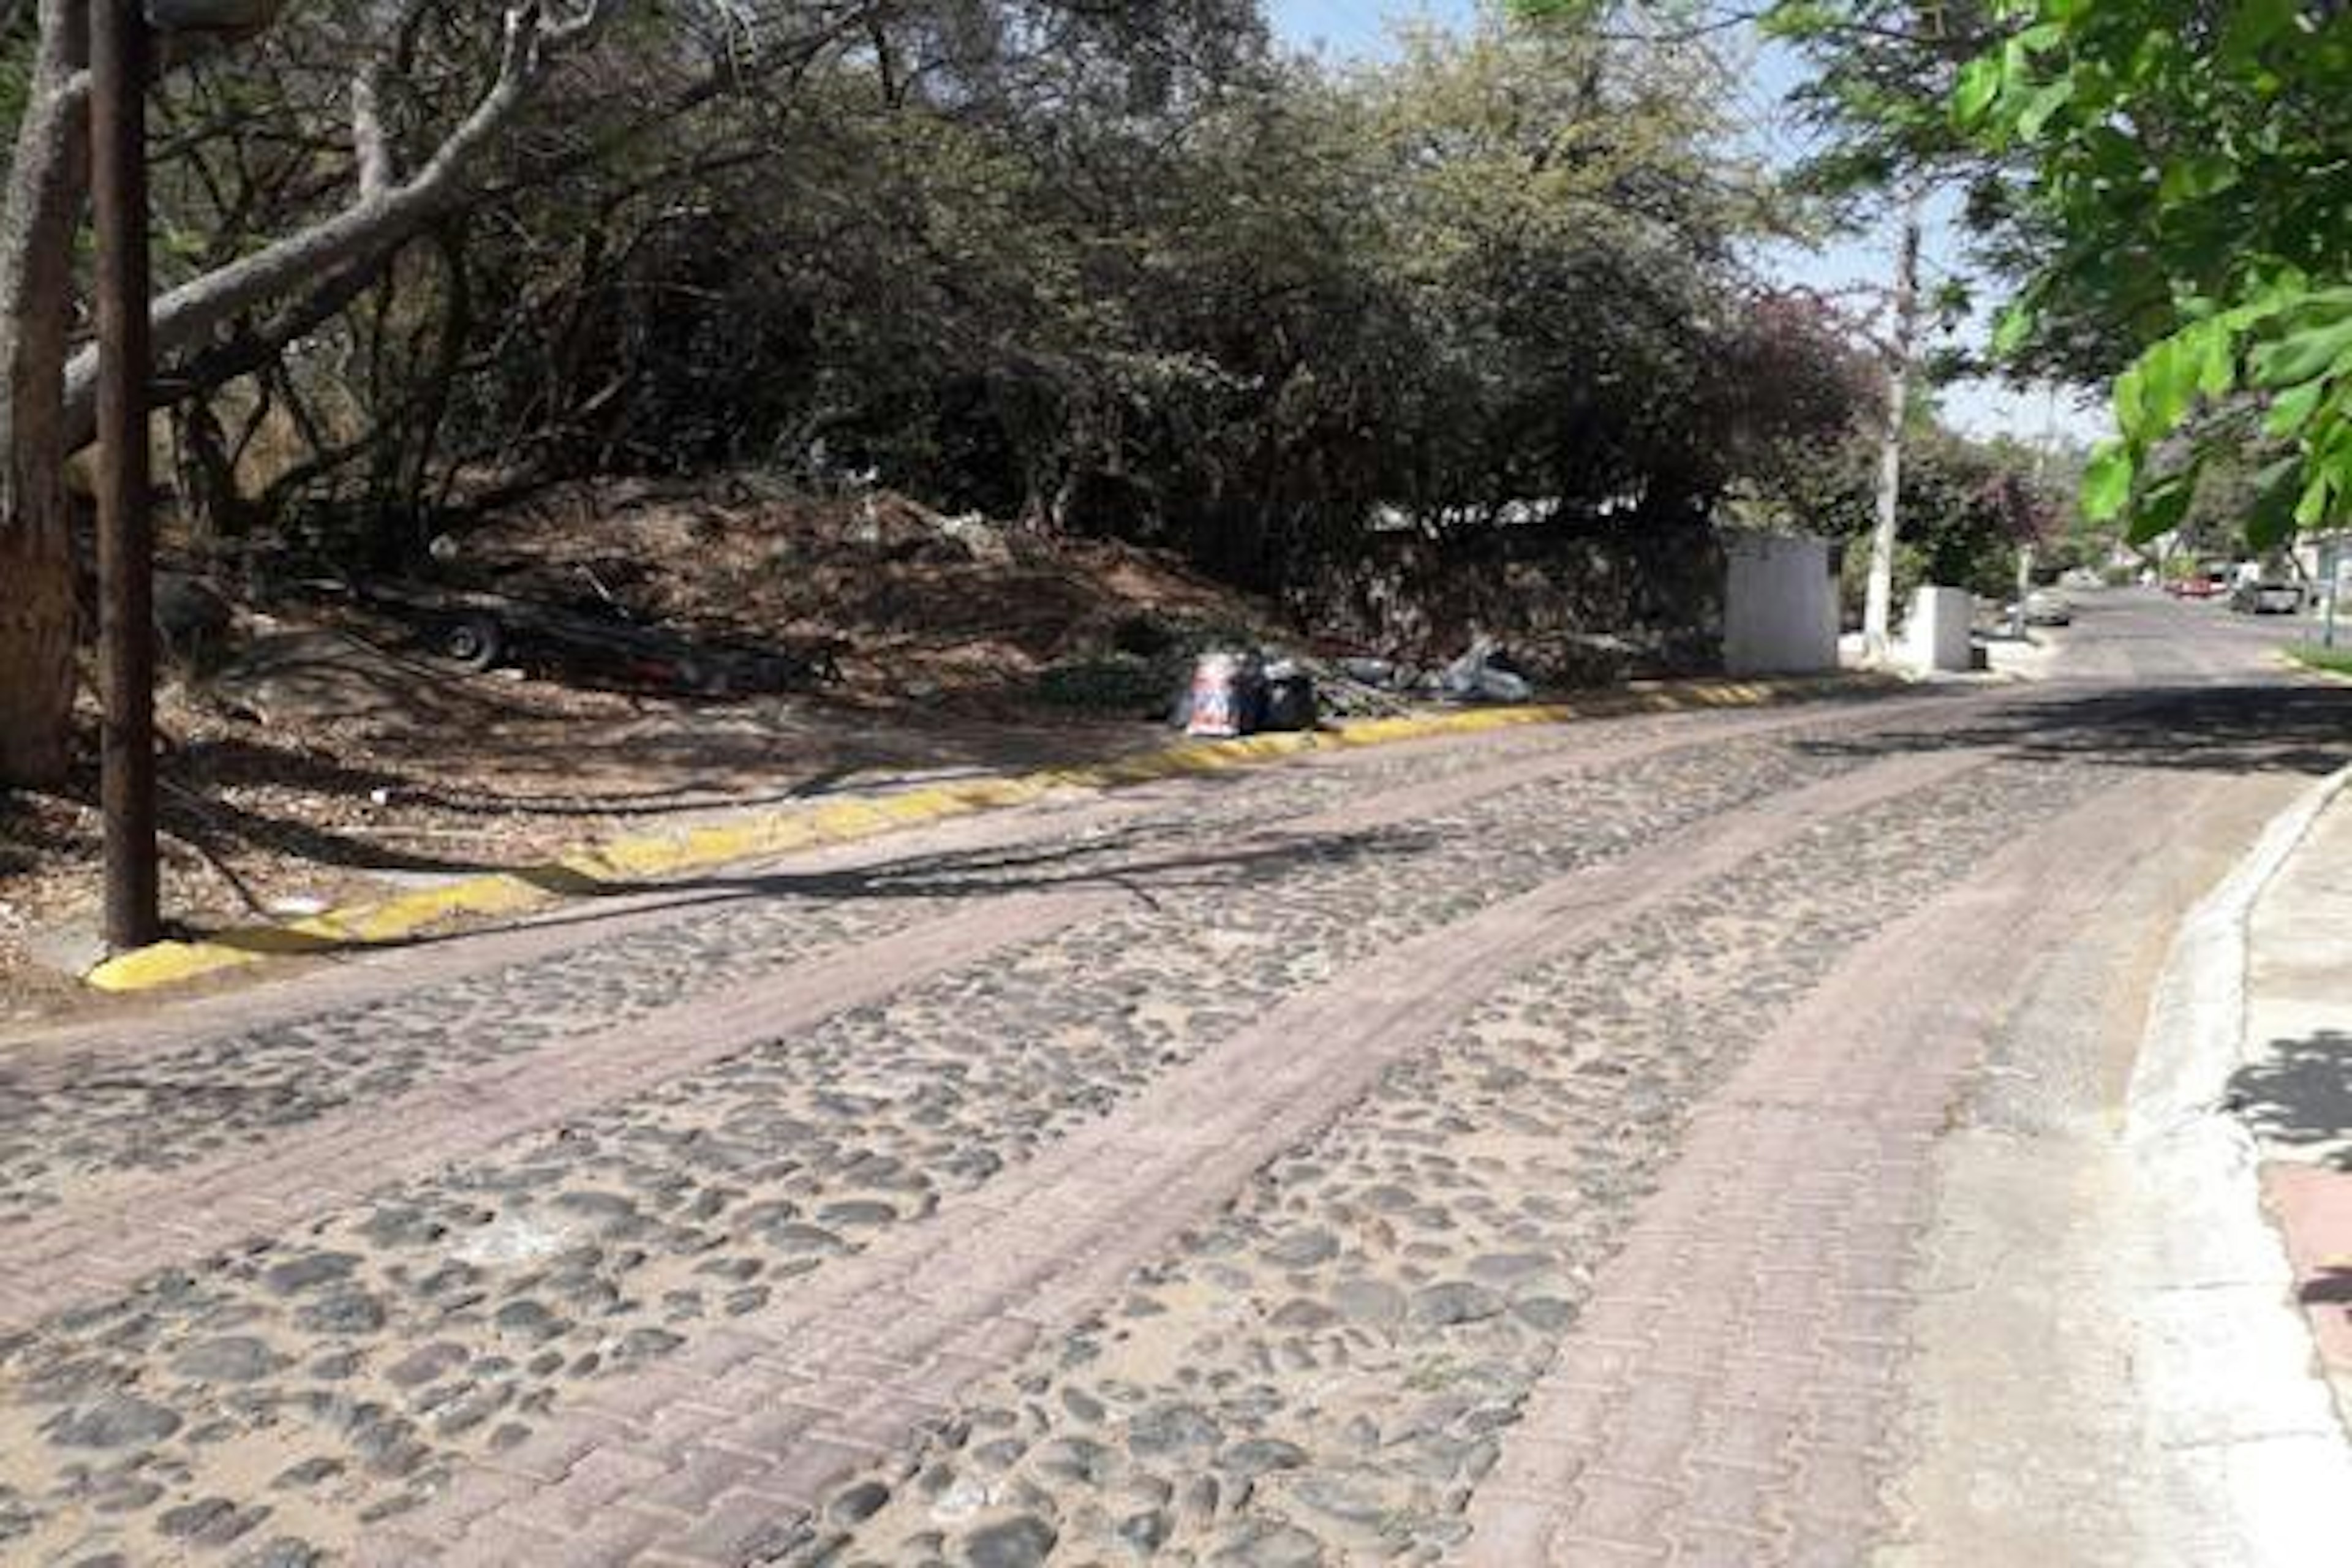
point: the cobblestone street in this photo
(1509, 1149)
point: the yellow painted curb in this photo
(620, 865)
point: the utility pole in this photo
(126, 530)
(1878, 598)
(2332, 556)
(2042, 450)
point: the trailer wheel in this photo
(701, 675)
(471, 643)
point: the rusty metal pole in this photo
(126, 528)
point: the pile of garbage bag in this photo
(1241, 691)
(1483, 673)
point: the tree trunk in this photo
(37, 573)
(1878, 602)
(36, 648)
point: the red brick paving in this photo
(2312, 1206)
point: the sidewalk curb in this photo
(621, 863)
(2264, 1410)
(2196, 1028)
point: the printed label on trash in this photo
(1216, 701)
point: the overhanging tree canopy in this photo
(2191, 165)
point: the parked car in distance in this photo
(2267, 598)
(2048, 607)
(2201, 585)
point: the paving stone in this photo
(117, 1421)
(308, 1271)
(232, 1358)
(1454, 1301)
(1022, 1541)
(1172, 1428)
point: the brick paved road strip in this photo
(1731, 1391)
(734, 1439)
(1327, 1364)
(363, 1357)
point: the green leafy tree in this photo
(2186, 162)
(1968, 505)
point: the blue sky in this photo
(1343, 28)
(1357, 29)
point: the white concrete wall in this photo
(1779, 606)
(1937, 636)
(2322, 556)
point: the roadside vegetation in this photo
(2332, 661)
(1149, 322)
(2161, 185)
(1132, 272)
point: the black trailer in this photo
(595, 638)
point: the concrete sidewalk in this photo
(2293, 1089)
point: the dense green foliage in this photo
(1967, 505)
(2165, 183)
(1882, 71)
(2189, 162)
(1878, 103)
(1129, 271)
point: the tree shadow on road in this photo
(1142, 861)
(2299, 1094)
(2209, 728)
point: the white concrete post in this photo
(1937, 635)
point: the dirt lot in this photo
(327, 756)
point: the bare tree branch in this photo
(367, 229)
(369, 148)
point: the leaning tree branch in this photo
(370, 226)
(254, 347)
(43, 184)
